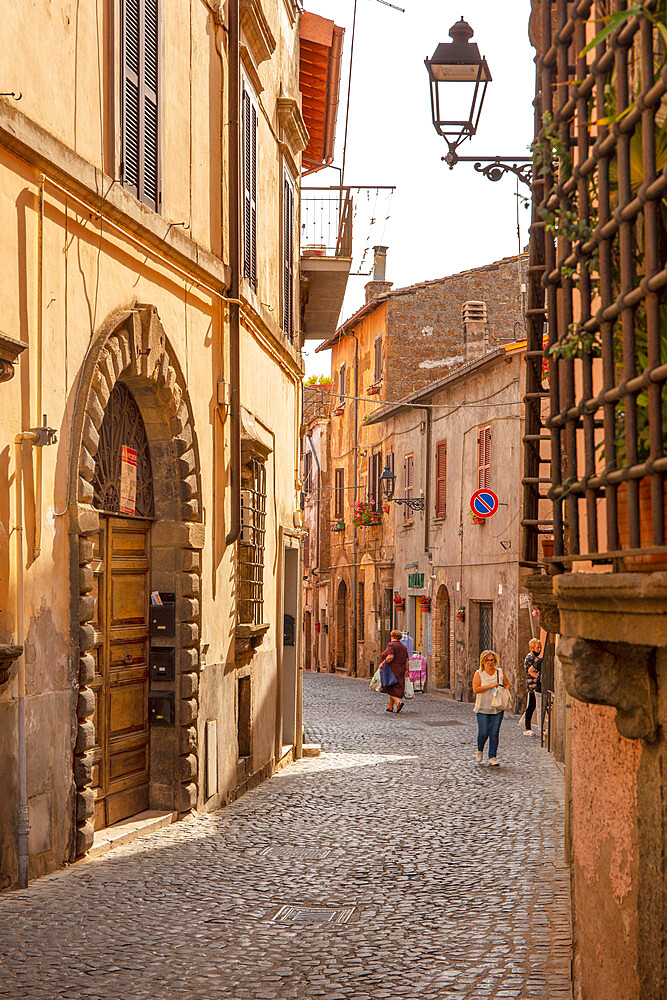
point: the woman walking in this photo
(533, 667)
(396, 657)
(489, 684)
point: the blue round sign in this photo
(484, 503)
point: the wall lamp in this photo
(388, 481)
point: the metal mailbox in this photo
(162, 662)
(161, 708)
(163, 616)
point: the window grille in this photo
(484, 458)
(252, 542)
(441, 479)
(596, 314)
(485, 626)
(140, 104)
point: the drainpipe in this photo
(234, 114)
(23, 824)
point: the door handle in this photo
(127, 658)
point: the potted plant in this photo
(399, 602)
(460, 614)
(365, 514)
(373, 390)
(425, 603)
(338, 526)
(339, 410)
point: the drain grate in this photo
(314, 914)
(296, 853)
(443, 722)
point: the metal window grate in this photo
(597, 317)
(251, 543)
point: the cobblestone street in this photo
(392, 867)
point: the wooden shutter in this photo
(484, 458)
(338, 493)
(140, 125)
(343, 387)
(370, 495)
(377, 485)
(441, 479)
(249, 189)
(288, 258)
(378, 359)
(408, 469)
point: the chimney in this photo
(378, 285)
(473, 315)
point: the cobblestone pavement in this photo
(421, 875)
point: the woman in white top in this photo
(487, 684)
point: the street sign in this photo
(484, 503)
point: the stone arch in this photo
(342, 644)
(132, 347)
(443, 652)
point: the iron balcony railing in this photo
(597, 314)
(326, 221)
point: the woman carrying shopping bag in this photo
(395, 657)
(492, 688)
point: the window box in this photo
(373, 390)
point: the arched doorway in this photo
(123, 496)
(135, 523)
(341, 627)
(443, 677)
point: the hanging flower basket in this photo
(425, 603)
(365, 514)
(339, 411)
(386, 508)
(373, 390)
(399, 602)
(460, 614)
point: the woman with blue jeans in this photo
(485, 684)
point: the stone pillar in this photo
(614, 655)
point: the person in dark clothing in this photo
(533, 668)
(396, 657)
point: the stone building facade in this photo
(459, 580)
(316, 477)
(400, 341)
(151, 270)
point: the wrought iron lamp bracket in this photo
(493, 167)
(413, 503)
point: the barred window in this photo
(252, 541)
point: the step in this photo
(129, 830)
(312, 749)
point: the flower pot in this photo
(478, 520)
(339, 411)
(373, 390)
(460, 615)
(651, 561)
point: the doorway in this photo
(290, 608)
(308, 639)
(443, 678)
(341, 627)
(120, 757)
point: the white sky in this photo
(441, 221)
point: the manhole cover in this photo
(444, 722)
(297, 853)
(314, 914)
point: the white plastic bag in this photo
(409, 689)
(375, 683)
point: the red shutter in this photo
(484, 458)
(441, 479)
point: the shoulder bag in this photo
(501, 698)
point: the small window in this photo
(249, 126)
(252, 542)
(441, 479)
(484, 458)
(408, 475)
(342, 385)
(339, 486)
(378, 359)
(308, 471)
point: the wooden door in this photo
(120, 758)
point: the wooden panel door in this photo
(121, 684)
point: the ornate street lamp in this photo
(388, 480)
(459, 62)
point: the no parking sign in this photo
(484, 503)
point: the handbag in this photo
(409, 689)
(388, 677)
(501, 698)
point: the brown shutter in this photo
(288, 259)
(130, 69)
(149, 106)
(441, 479)
(249, 190)
(487, 457)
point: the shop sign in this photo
(128, 480)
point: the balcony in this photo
(326, 258)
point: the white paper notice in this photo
(128, 480)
